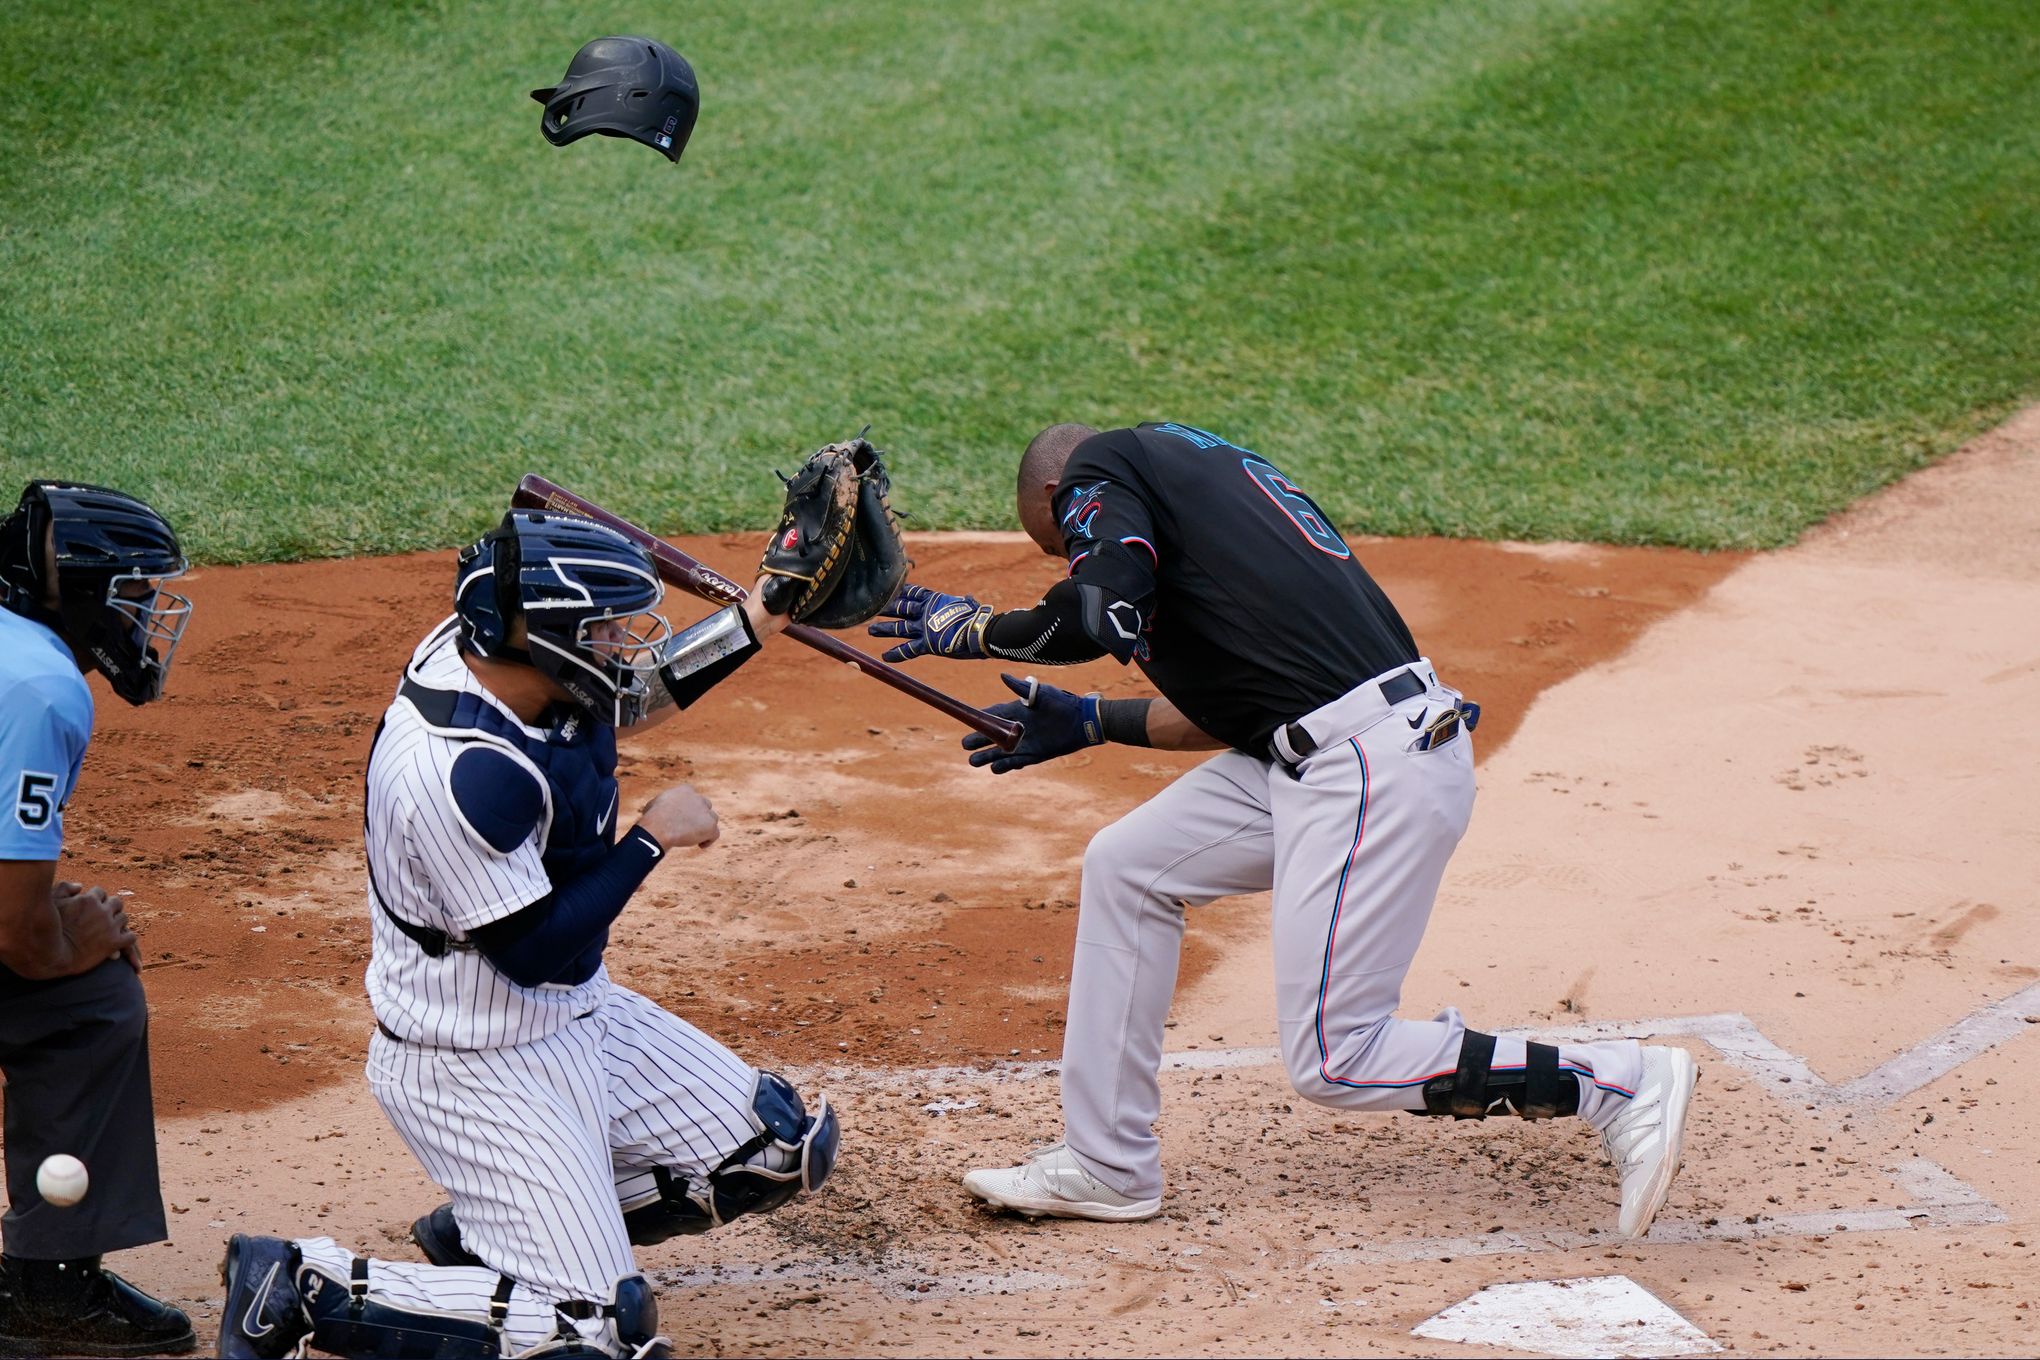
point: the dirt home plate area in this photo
(1777, 809)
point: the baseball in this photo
(61, 1180)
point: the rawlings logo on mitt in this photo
(836, 558)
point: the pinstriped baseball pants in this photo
(539, 1144)
(1353, 845)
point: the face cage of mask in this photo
(617, 670)
(156, 619)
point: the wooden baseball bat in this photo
(676, 568)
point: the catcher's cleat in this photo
(1051, 1184)
(263, 1315)
(438, 1236)
(1644, 1140)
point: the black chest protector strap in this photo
(435, 943)
(1538, 1089)
(436, 707)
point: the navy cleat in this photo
(438, 1236)
(263, 1317)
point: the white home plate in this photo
(1599, 1315)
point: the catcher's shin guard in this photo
(792, 1151)
(1538, 1089)
(346, 1321)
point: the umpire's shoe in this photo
(263, 1315)
(75, 1308)
(438, 1236)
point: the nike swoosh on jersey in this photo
(602, 822)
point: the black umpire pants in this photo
(76, 1055)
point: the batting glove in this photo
(934, 624)
(1054, 722)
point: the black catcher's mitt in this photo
(836, 558)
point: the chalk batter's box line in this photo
(1937, 1198)
(1730, 1033)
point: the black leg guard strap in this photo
(1544, 1086)
(792, 1151)
(675, 1211)
(1467, 1098)
(1540, 1089)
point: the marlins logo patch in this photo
(1085, 503)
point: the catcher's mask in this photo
(111, 551)
(624, 87)
(587, 596)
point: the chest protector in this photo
(576, 760)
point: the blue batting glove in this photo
(1054, 722)
(934, 624)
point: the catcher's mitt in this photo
(836, 558)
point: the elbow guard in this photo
(1114, 587)
(1114, 624)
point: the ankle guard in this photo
(1536, 1090)
(791, 1152)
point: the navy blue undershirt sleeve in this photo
(547, 939)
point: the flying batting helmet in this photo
(624, 87)
(111, 549)
(587, 596)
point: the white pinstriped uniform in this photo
(434, 872)
(542, 1111)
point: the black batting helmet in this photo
(111, 551)
(624, 87)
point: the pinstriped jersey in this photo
(434, 870)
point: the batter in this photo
(1345, 782)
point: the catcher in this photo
(567, 1117)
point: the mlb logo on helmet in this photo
(665, 137)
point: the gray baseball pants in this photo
(1353, 842)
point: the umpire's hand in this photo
(95, 927)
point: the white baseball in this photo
(61, 1179)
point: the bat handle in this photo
(1004, 732)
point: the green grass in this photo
(1666, 271)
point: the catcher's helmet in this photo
(624, 87)
(111, 550)
(567, 577)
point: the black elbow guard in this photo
(1111, 622)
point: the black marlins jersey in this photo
(1239, 599)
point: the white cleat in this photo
(1052, 1184)
(1645, 1139)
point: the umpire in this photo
(79, 573)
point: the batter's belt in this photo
(1368, 703)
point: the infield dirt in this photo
(1795, 788)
